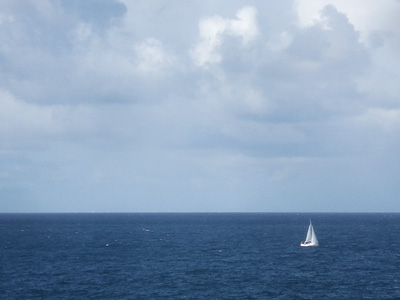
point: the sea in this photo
(199, 256)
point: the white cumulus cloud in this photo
(213, 29)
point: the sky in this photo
(199, 106)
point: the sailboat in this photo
(311, 239)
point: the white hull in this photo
(308, 245)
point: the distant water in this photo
(199, 256)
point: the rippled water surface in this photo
(199, 256)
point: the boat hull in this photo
(308, 245)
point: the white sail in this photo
(314, 239)
(309, 233)
(311, 238)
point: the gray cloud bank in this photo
(158, 106)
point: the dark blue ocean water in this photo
(199, 256)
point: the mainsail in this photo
(314, 239)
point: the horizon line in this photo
(208, 212)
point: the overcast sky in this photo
(177, 106)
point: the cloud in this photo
(367, 16)
(378, 30)
(100, 15)
(151, 57)
(19, 118)
(212, 31)
(25, 124)
(387, 120)
(293, 81)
